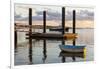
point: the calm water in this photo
(48, 51)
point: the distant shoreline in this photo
(53, 24)
(18, 26)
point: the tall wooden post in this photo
(74, 24)
(30, 23)
(63, 24)
(44, 21)
(30, 19)
(74, 21)
(63, 20)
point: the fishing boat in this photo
(72, 48)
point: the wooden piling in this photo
(30, 23)
(44, 21)
(30, 20)
(63, 20)
(74, 21)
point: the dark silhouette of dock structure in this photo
(53, 35)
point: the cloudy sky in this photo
(53, 13)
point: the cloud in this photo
(50, 15)
(85, 15)
(81, 15)
(16, 16)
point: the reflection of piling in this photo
(73, 58)
(44, 46)
(44, 21)
(44, 50)
(15, 37)
(63, 20)
(30, 56)
(63, 59)
(30, 34)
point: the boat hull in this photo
(72, 48)
(59, 29)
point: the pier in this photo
(62, 35)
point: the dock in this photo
(44, 35)
(62, 35)
(53, 36)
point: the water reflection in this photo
(30, 51)
(25, 55)
(63, 58)
(74, 43)
(15, 41)
(70, 54)
(44, 51)
(61, 54)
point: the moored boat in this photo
(59, 29)
(72, 48)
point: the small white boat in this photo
(72, 48)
